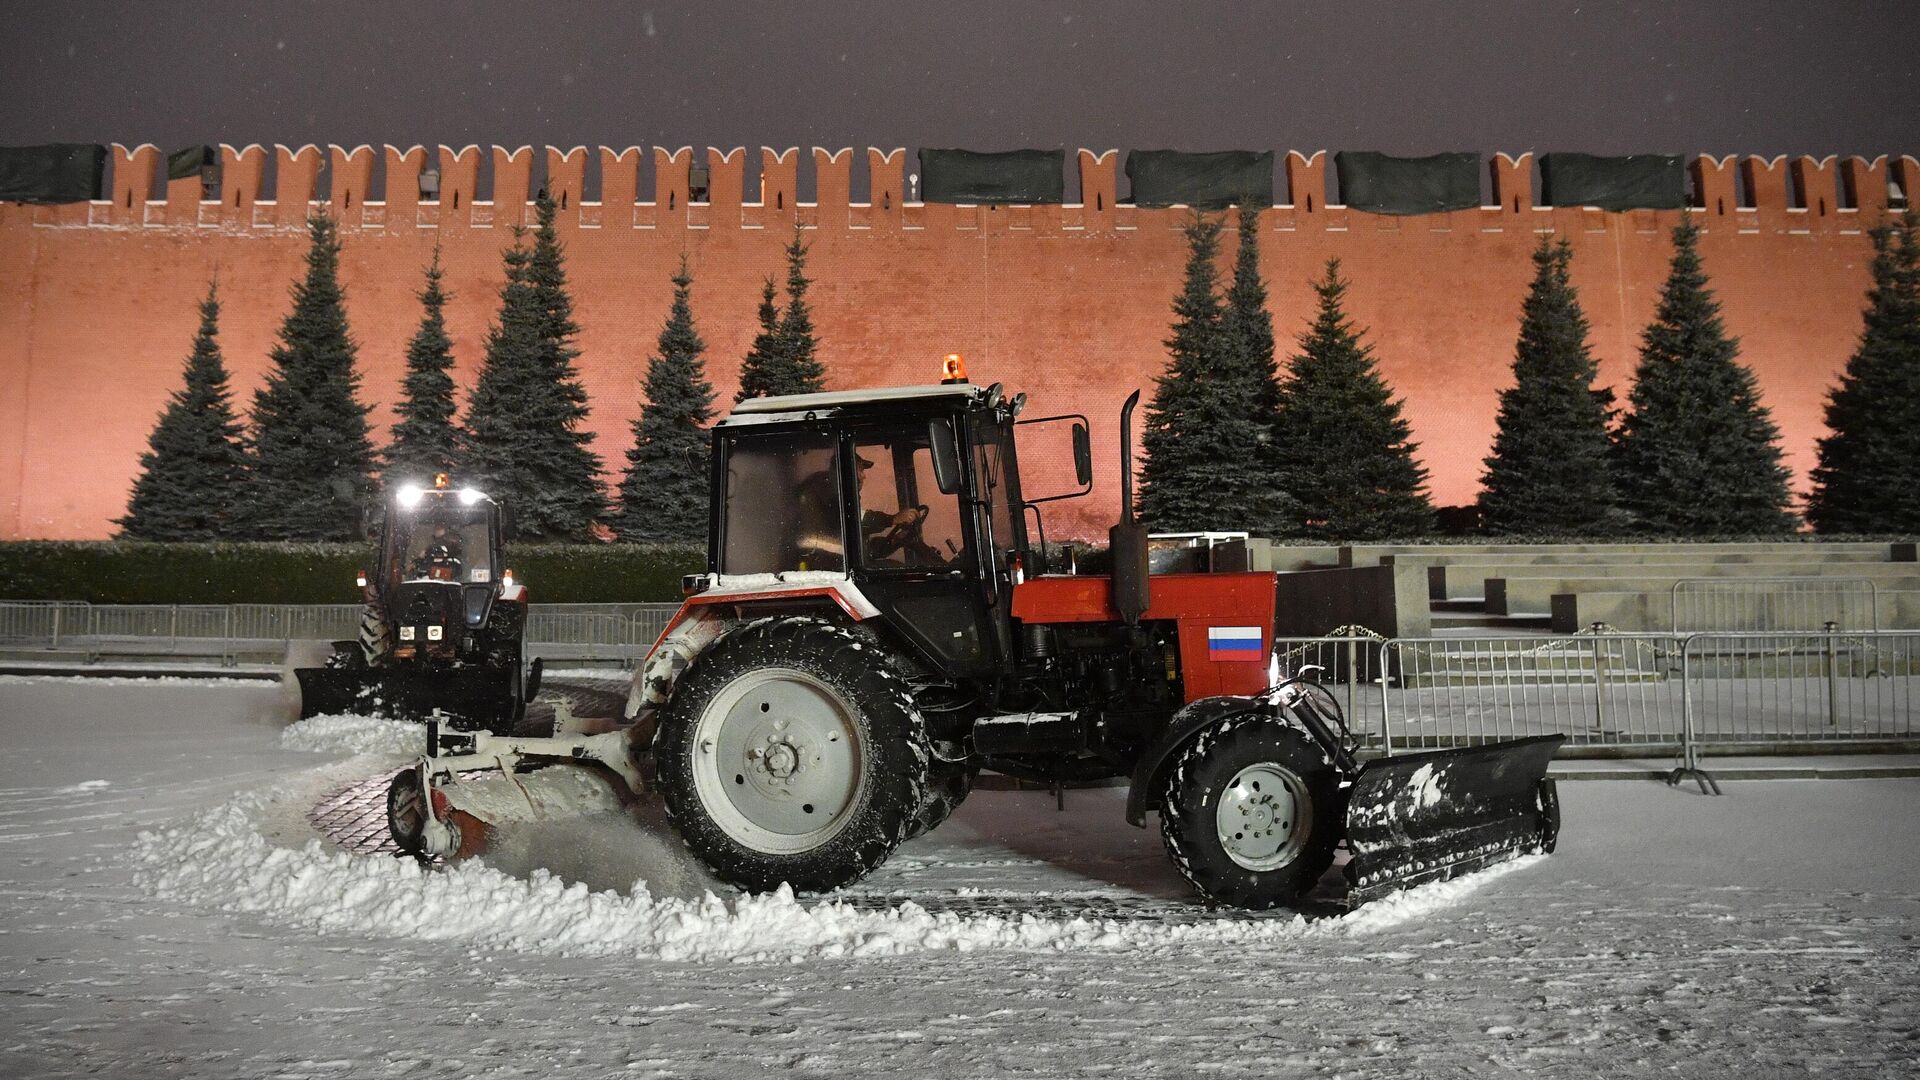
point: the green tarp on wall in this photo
(1205, 181)
(1636, 182)
(1014, 176)
(188, 162)
(1381, 184)
(54, 173)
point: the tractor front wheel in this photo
(1251, 812)
(791, 752)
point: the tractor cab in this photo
(910, 492)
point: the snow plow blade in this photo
(1428, 816)
(469, 697)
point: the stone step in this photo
(1541, 680)
(1472, 619)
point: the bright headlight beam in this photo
(409, 496)
(469, 496)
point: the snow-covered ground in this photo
(169, 911)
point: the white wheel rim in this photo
(777, 761)
(1264, 817)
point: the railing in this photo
(1715, 691)
(1770, 604)
(589, 633)
(1609, 692)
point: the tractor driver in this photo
(895, 537)
(441, 560)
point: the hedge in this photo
(133, 572)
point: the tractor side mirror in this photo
(1082, 455)
(1079, 444)
(946, 455)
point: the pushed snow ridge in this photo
(347, 734)
(223, 858)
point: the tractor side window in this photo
(782, 509)
(995, 490)
(905, 522)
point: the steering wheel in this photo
(907, 532)
(905, 537)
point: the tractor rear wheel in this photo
(790, 752)
(1251, 812)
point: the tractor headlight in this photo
(435, 632)
(469, 496)
(406, 633)
(1273, 667)
(409, 496)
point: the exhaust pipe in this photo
(1127, 540)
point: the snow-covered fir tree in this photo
(1345, 451)
(1698, 454)
(1868, 478)
(1551, 468)
(524, 442)
(1179, 461)
(663, 496)
(425, 438)
(1248, 330)
(782, 360)
(761, 356)
(192, 482)
(312, 457)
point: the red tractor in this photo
(877, 624)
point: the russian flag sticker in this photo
(1234, 643)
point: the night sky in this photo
(1406, 78)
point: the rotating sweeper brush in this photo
(442, 620)
(876, 625)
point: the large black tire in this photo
(407, 810)
(948, 784)
(1202, 778)
(720, 728)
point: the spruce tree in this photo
(1698, 454)
(525, 443)
(1551, 472)
(664, 493)
(193, 476)
(1202, 466)
(1344, 449)
(312, 458)
(425, 439)
(1248, 330)
(1868, 478)
(756, 369)
(786, 365)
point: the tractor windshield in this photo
(782, 505)
(441, 540)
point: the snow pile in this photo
(220, 858)
(354, 735)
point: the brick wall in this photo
(1069, 303)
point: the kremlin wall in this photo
(1069, 303)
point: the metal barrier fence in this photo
(1701, 605)
(1606, 692)
(592, 633)
(1826, 687)
(1611, 692)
